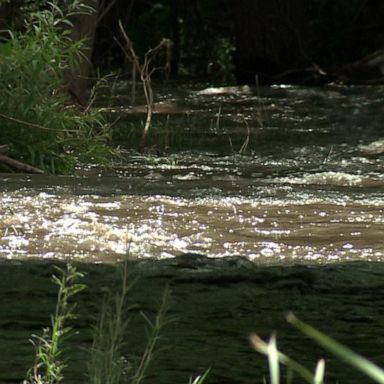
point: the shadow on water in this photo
(218, 303)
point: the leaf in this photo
(341, 351)
(262, 347)
(273, 359)
(319, 373)
(6, 48)
(201, 378)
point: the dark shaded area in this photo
(217, 303)
(201, 32)
(296, 41)
(277, 41)
(302, 41)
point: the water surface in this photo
(281, 178)
(273, 207)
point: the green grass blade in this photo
(344, 353)
(200, 379)
(273, 360)
(262, 347)
(319, 373)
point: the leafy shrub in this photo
(37, 118)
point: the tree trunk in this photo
(84, 27)
(174, 33)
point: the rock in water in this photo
(375, 148)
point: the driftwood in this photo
(367, 70)
(15, 164)
(19, 166)
(4, 148)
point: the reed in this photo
(275, 357)
(48, 366)
(108, 362)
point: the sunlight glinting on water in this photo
(266, 230)
(303, 191)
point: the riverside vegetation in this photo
(108, 364)
(43, 129)
(39, 122)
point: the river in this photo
(275, 179)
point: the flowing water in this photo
(301, 191)
(275, 178)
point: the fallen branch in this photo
(4, 148)
(18, 165)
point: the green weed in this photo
(38, 120)
(275, 357)
(48, 366)
(153, 337)
(108, 364)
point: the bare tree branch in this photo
(20, 166)
(145, 72)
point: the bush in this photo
(37, 118)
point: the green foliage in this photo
(200, 379)
(220, 64)
(206, 41)
(202, 33)
(108, 364)
(48, 366)
(344, 353)
(37, 119)
(275, 357)
(153, 331)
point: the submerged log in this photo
(18, 165)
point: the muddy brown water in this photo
(293, 222)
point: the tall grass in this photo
(153, 329)
(48, 367)
(275, 357)
(108, 364)
(37, 117)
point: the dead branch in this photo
(20, 166)
(104, 9)
(129, 51)
(4, 148)
(146, 72)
